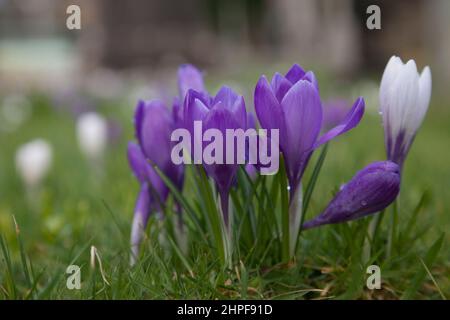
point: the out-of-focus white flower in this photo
(404, 99)
(92, 133)
(33, 160)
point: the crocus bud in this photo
(371, 190)
(92, 133)
(33, 161)
(404, 99)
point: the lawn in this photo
(80, 206)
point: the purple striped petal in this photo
(233, 102)
(189, 77)
(137, 162)
(221, 118)
(196, 107)
(267, 107)
(303, 117)
(280, 85)
(350, 121)
(334, 112)
(142, 206)
(147, 175)
(311, 77)
(295, 73)
(154, 132)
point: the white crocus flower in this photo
(92, 133)
(33, 160)
(404, 99)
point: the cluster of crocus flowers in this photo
(154, 124)
(290, 104)
(404, 100)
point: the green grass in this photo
(80, 206)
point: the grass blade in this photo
(420, 276)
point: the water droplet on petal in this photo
(363, 203)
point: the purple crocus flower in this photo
(371, 190)
(152, 193)
(226, 110)
(292, 104)
(154, 125)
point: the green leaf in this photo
(180, 255)
(312, 181)
(182, 200)
(10, 276)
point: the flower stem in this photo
(295, 218)
(224, 195)
(372, 231)
(393, 230)
(227, 232)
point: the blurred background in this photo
(139, 40)
(130, 50)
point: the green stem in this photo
(372, 231)
(284, 212)
(393, 230)
(296, 218)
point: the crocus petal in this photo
(143, 203)
(369, 191)
(138, 118)
(157, 188)
(350, 121)
(267, 107)
(137, 162)
(280, 85)
(311, 77)
(221, 118)
(251, 122)
(424, 96)
(189, 77)
(195, 108)
(140, 219)
(303, 117)
(155, 130)
(233, 102)
(225, 95)
(390, 73)
(295, 73)
(177, 113)
(334, 113)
